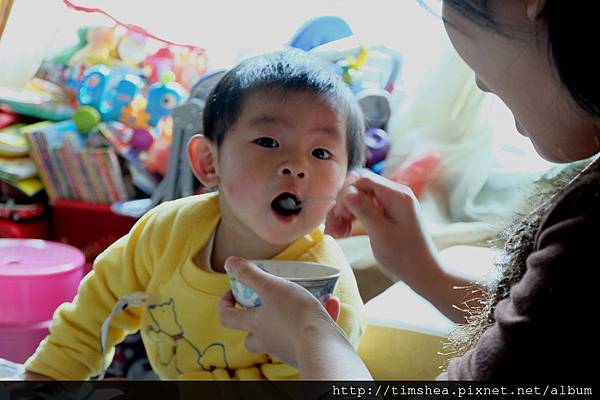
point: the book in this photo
(71, 171)
(17, 168)
(43, 170)
(92, 171)
(104, 174)
(83, 185)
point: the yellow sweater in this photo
(181, 331)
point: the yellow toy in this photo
(101, 45)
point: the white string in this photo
(138, 299)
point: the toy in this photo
(372, 74)
(157, 63)
(157, 157)
(417, 173)
(189, 67)
(132, 48)
(134, 115)
(378, 145)
(101, 41)
(17, 212)
(40, 99)
(93, 86)
(7, 116)
(141, 140)
(162, 98)
(351, 68)
(320, 30)
(124, 101)
(124, 93)
(86, 118)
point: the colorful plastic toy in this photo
(16, 212)
(124, 93)
(101, 41)
(141, 140)
(86, 118)
(132, 48)
(93, 86)
(162, 98)
(418, 173)
(378, 145)
(162, 60)
(320, 30)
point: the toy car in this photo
(10, 210)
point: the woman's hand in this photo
(400, 242)
(391, 215)
(292, 325)
(287, 314)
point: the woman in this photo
(533, 54)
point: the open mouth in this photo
(286, 204)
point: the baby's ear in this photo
(202, 156)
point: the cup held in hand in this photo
(318, 279)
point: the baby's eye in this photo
(322, 154)
(267, 142)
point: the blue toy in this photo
(127, 89)
(93, 86)
(112, 92)
(162, 98)
(318, 31)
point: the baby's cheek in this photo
(318, 213)
(240, 190)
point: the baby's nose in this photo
(293, 171)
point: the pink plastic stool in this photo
(18, 342)
(36, 276)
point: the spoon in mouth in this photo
(291, 204)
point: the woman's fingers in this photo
(263, 283)
(365, 208)
(376, 199)
(385, 190)
(252, 344)
(232, 317)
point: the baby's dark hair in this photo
(288, 71)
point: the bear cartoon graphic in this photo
(171, 341)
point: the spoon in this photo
(291, 204)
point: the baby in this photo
(280, 133)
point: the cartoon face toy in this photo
(124, 93)
(93, 86)
(162, 98)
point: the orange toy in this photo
(417, 173)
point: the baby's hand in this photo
(339, 219)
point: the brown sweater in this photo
(543, 330)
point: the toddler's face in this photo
(282, 151)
